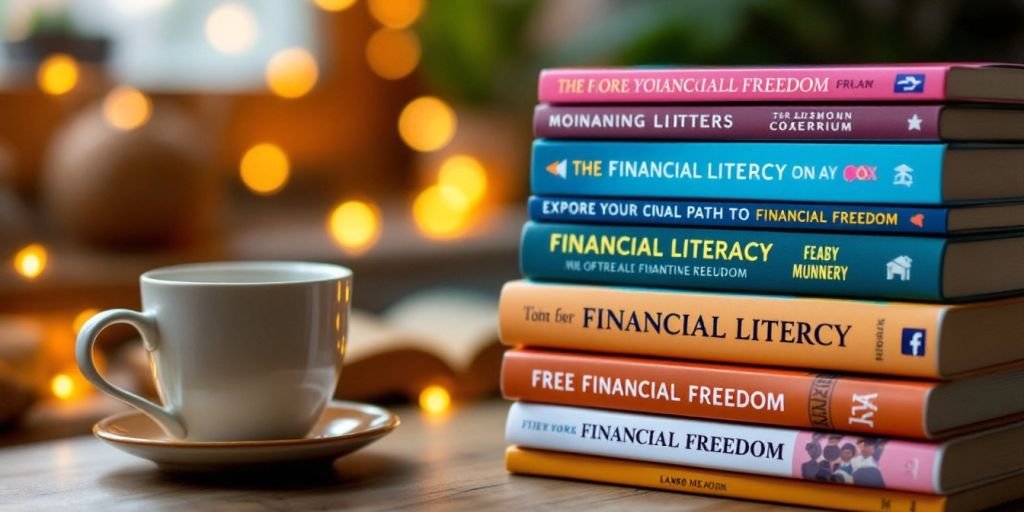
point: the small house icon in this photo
(898, 268)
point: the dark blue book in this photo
(784, 216)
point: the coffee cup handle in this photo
(146, 326)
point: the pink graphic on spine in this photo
(860, 173)
(864, 461)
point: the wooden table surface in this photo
(452, 463)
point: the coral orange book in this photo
(793, 398)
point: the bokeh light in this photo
(264, 168)
(435, 400)
(30, 261)
(62, 386)
(126, 108)
(231, 28)
(440, 212)
(427, 124)
(57, 74)
(454, 198)
(395, 13)
(334, 5)
(291, 73)
(355, 225)
(82, 317)
(465, 174)
(393, 54)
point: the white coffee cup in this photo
(240, 350)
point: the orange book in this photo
(770, 396)
(934, 341)
(752, 487)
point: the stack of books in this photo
(797, 285)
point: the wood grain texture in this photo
(454, 463)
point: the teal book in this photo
(777, 262)
(884, 173)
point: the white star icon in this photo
(914, 123)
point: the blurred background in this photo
(391, 136)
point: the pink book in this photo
(974, 82)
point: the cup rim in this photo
(317, 273)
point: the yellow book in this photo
(754, 487)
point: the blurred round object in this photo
(427, 124)
(150, 184)
(291, 73)
(393, 54)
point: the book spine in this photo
(718, 122)
(716, 483)
(759, 171)
(817, 84)
(835, 265)
(718, 214)
(838, 335)
(764, 396)
(868, 462)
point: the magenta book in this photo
(742, 122)
(913, 122)
(980, 82)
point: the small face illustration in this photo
(867, 450)
(814, 450)
(831, 452)
(847, 453)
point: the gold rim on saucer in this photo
(103, 429)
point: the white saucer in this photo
(344, 428)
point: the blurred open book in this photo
(437, 337)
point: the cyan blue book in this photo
(903, 174)
(777, 262)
